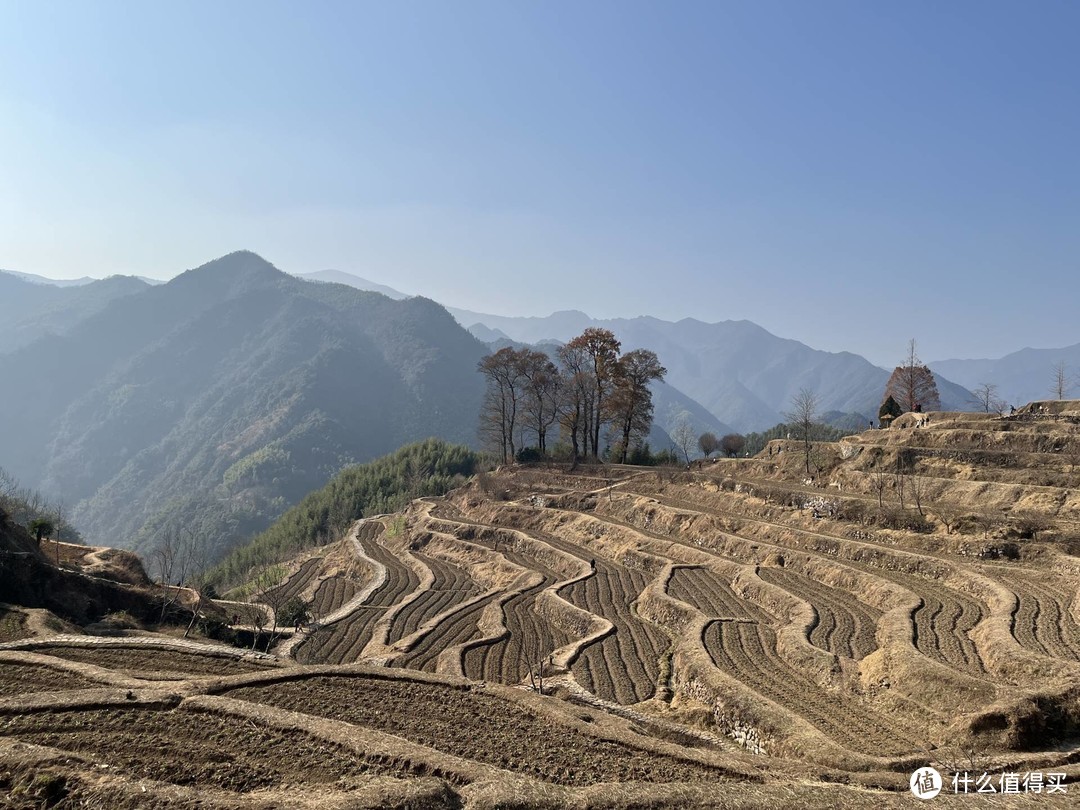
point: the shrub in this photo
(293, 612)
(529, 455)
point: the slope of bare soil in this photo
(18, 679)
(470, 724)
(187, 748)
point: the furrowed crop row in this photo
(332, 594)
(344, 641)
(294, 584)
(711, 594)
(531, 639)
(450, 587)
(845, 626)
(1025, 619)
(1043, 621)
(622, 667)
(456, 629)
(747, 652)
(942, 622)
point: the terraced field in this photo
(698, 628)
(1043, 621)
(451, 587)
(296, 583)
(192, 749)
(746, 650)
(332, 593)
(531, 638)
(344, 641)
(844, 626)
(702, 589)
(479, 727)
(623, 667)
(457, 628)
(151, 663)
(19, 679)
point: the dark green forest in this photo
(385, 485)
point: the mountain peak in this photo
(240, 269)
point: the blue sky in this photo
(849, 174)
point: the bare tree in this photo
(601, 353)
(912, 384)
(575, 397)
(505, 390)
(732, 444)
(802, 417)
(879, 482)
(683, 436)
(986, 398)
(170, 560)
(1062, 384)
(708, 443)
(541, 404)
(630, 406)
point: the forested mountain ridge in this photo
(216, 400)
(30, 309)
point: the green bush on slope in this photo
(385, 485)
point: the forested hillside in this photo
(215, 401)
(385, 485)
(29, 310)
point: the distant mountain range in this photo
(30, 309)
(339, 277)
(216, 400)
(742, 375)
(1021, 377)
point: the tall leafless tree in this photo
(986, 398)
(802, 417)
(1062, 383)
(684, 437)
(601, 350)
(505, 391)
(542, 388)
(575, 397)
(912, 384)
(732, 444)
(708, 443)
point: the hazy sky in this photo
(850, 174)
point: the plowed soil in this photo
(21, 679)
(195, 749)
(470, 724)
(344, 641)
(451, 587)
(532, 638)
(149, 661)
(844, 626)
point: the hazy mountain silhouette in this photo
(216, 400)
(742, 374)
(31, 308)
(341, 277)
(1022, 376)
